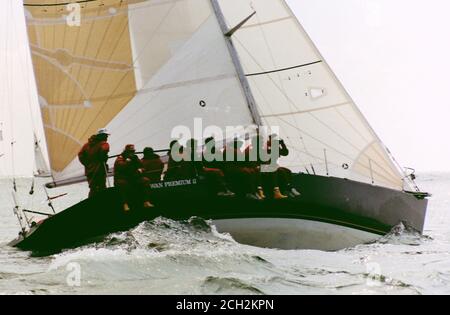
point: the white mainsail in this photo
(142, 67)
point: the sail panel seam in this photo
(134, 60)
(283, 69)
(306, 111)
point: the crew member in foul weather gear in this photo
(129, 179)
(177, 167)
(152, 164)
(283, 178)
(214, 176)
(212, 157)
(94, 157)
(237, 172)
(258, 159)
(253, 164)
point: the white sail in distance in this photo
(142, 67)
(16, 95)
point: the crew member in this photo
(283, 175)
(238, 173)
(206, 165)
(128, 177)
(177, 167)
(152, 164)
(253, 164)
(94, 157)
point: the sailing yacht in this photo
(143, 67)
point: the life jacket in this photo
(83, 155)
(126, 171)
(93, 155)
(153, 167)
(180, 169)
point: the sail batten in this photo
(284, 69)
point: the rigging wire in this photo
(10, 48)
(25, 71)
(10, 77)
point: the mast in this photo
(237, 63)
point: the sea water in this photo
(191, 257)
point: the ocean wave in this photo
(164, 250)
(403, 234)
(228, 285)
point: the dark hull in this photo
(327, 200)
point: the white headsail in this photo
(142, 67)
(296, 90)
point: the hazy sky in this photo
(393, 57)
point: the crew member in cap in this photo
(94, 157)
(128, 177)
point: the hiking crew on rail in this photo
(252, 171)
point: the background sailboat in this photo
(20, 118)
(142, 67)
